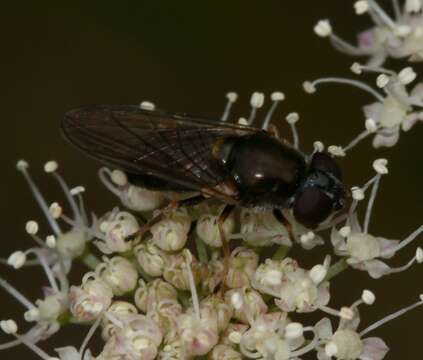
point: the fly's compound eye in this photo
(312, 206)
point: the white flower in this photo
(176, 272)
(364, 251)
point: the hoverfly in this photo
(239, 165)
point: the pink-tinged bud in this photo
(242, 265)
(151, 258)
(116, 229)
(165, 314)
(176, 273)
(90, 299)
(247, 303)
(224, 352)
(199, 335)
(172, 347)
(119, 310)
(139, 338)
(155, 292)
(171, 233)
(207, 228)
(221, 308)
(233, 334)
(119, 274)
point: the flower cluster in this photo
(160, 283)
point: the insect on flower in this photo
(237, 164)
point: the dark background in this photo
(184, 56)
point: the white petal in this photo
(374, 348)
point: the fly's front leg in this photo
(284, 221)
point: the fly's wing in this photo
(175, 149)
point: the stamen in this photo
(22, 167)
(292, 119)
(46, 268)
(409, 239)
(343, 46)
(16, 294)
(37, 350)
(256, 102)
(391, 317)
(379, 13)
(66, 190)
(359, 68)
(276, 98)
(355, 141)
(193, 288)
(397, 9)
(403, 268)
(89, 335)
(371, 202)
(355, 83)
(309, 347)
(232, 98)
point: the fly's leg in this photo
(171, 206)
(284, 221)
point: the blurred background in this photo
(184, 56)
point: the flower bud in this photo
(90, 299)
(119, 310)
(199, 335)
(207, 229)
(176, 272)
(117, 227)
(249, 306)
(140, 337)
(242, 265)
(151, 258)
(119, 274)
(165, 314)
(171, 233)
(156, 291)
(221, 308)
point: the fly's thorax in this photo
(265, 170)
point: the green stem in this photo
(281, 253)
(336, 269)
(90, 260)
